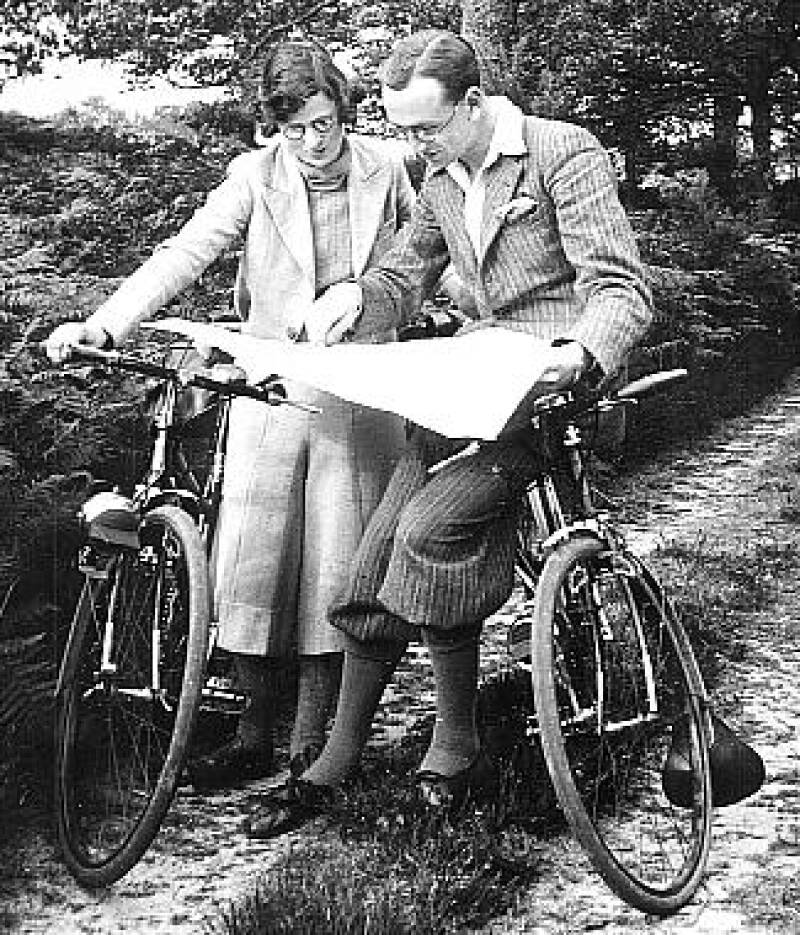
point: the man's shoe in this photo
(230, 764)
(287, 808)
(478, 781)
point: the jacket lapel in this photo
(447, 199)
(501, 180)
(287, 202)
(370, 181)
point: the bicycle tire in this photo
(121, 739)
(612, 698)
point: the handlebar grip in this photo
(651, 383)
(89, 352)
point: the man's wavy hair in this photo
(296, 70)
(432, 53)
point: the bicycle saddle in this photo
(737, 770)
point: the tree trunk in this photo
(631, 183)
(759, 99)
(721, 162)
(490, 27)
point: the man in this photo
(527, 211)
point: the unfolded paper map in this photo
(461, 387)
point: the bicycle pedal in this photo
(220, 695)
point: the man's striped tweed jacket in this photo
(557, 256)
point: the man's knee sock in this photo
(256, 677)
(455, 742)
(368, 666)
(317, 686)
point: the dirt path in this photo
(739, 491)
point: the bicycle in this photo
(621, 711)
(133, 672)
(620, 707)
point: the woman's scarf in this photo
(328, 178)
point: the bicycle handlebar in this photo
(274, 394)
(572, 403)
(646, 385)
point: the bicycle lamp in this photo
(111, 518)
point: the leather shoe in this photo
(478, 781)
(230, 764)
(287, 808)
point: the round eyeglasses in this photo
(427, 134)
(322, 126)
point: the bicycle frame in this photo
(552, 527)
(110, 519)
(169, 477)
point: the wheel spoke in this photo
(124, 721)
(613, 664)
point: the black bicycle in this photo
(133, 675)
(621, 710)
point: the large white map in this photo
(461, 387)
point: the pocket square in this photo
(515, 208)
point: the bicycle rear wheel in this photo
(617, 690)
(123, 726)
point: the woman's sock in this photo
(318, 681)
(256, 677)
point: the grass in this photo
(713, 587)
(390, 866)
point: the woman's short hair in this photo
(296, 70)
(432, 53)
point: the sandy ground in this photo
(739, 491)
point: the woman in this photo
(315, 206)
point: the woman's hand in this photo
(331, 316)
(227, 373)
(58, 346)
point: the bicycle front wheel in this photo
(620, 701)
(130, 689)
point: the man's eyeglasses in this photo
(322, 126)
(427, 134)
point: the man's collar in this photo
(508, 138)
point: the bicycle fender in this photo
(110, 518)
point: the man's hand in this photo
(568, 363)
(332, 315)
(58, 346)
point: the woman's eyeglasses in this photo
(322, 126)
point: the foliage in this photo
(200, 44)
(31, 31)
(641, 74)
(104, 214)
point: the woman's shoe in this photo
(477, 782)
(287, 808)
(300, 762)
(230, 764)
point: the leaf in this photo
(8, 460)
